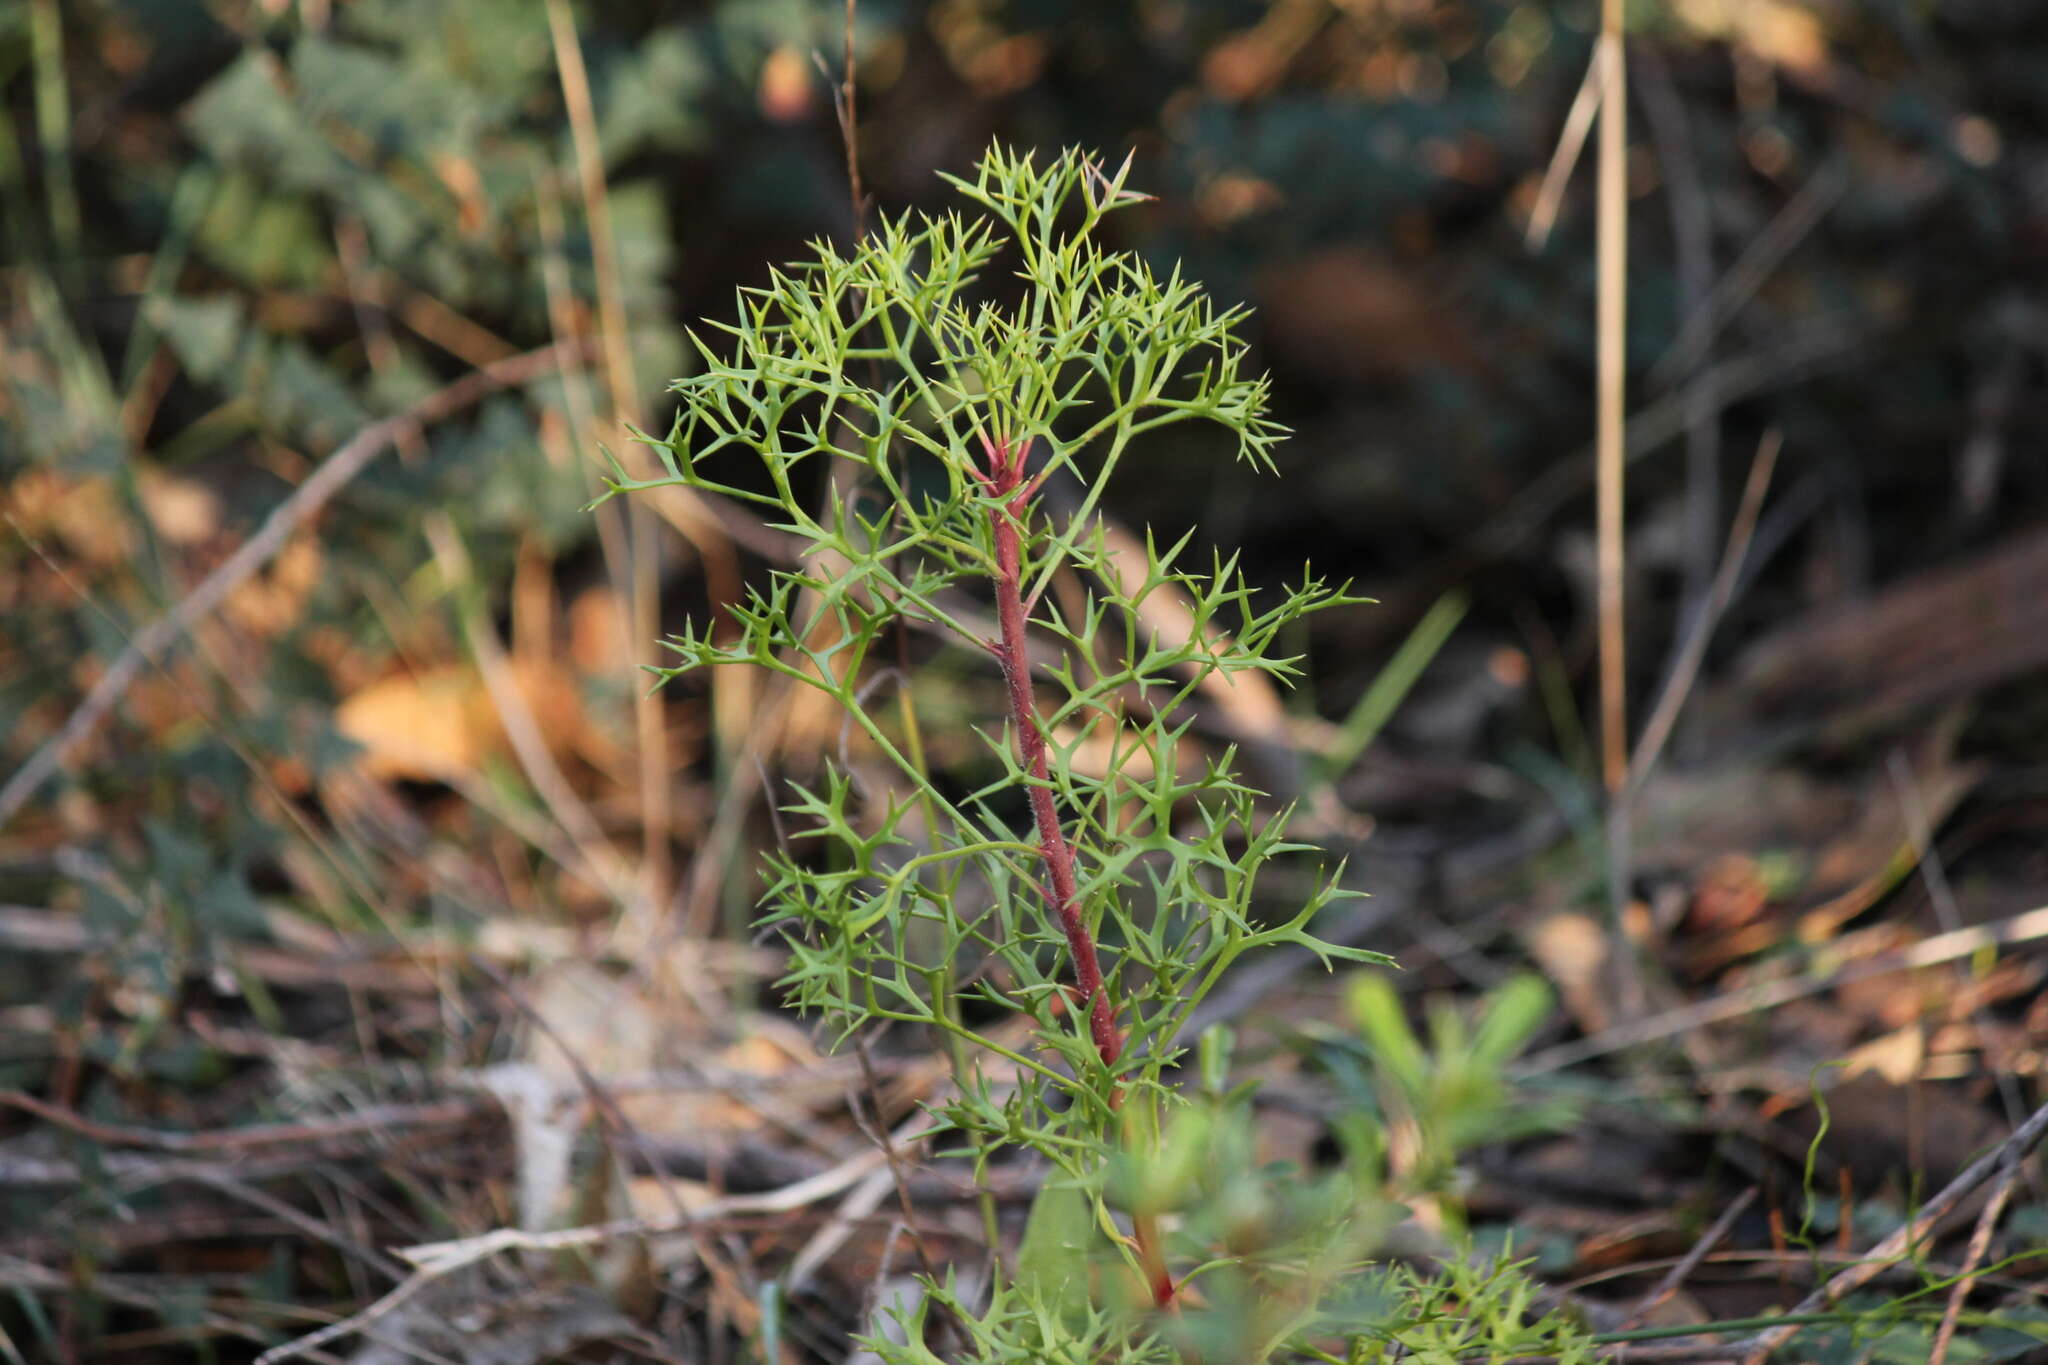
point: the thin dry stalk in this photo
(1610, 461)
(650, 724)
(1612, 307)
(529, 746)
(1980, 1243)
(1570, 142)
(1687, 1264)
(1685, 668)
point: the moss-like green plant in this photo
(1102, 904)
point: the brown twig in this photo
(1693, 651)
(1980, 1243)
(2000, 1163)
(1950, 947)
(1680, 1273)
(310, 496)
(371, 1120)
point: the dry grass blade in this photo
(1685, 669)
(649, 716)
(1612, 307)
(1570, 142)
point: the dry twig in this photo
(308, 498)
(435, 1260)
(2001, 1163)
(1735, 1004)
(1676, 1277)
(1980, 1243)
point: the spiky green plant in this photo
(1103, 904)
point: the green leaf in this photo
(1060, 1238)
(205, 332)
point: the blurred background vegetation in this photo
(347, 837)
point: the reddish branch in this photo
(1005, 480)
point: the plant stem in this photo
(1006, 473)
(1005, 479)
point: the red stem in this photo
(1005, 475)
(1005, 479)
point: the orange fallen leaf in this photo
(442, 724)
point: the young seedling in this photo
(1102, 901)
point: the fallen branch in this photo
(1949, 947)
(365, 1121)
(1993, 1165)
(436, 1260)
(309, 497)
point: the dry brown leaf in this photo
(1572, 950)
(1897, 1056)
(183, 511)
(273, 601)
(440, 725)
(84, 514)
